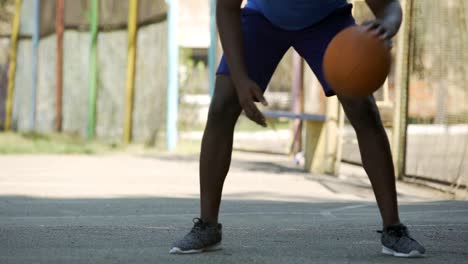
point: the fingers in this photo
(247, 95)
(371, 25)
(255, 113)
(252, 112)
(258, 95)
(376, 28)
(385, 35)
(389, 44)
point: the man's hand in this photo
(228, 16)
(381, 30)
(247, 92)
(388, 15)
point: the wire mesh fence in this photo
(437, 119)
(437, 132)
(385, 98)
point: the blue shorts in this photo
(265, 44)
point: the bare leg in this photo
(216, 148)
(375, 154)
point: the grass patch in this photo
(35, 143)
(183, 147)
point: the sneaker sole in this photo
(176, 250)
(412, 254)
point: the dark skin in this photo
(237, 93)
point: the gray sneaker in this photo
(396, 241)
(202, 237)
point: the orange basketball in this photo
(356, 62)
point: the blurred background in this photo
(109, 75)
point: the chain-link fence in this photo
(437, 132)
(385, 98)
(437, 116)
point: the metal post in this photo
(12, 65)
(297, 101)
(332, 135)
(35, 39)
(93, 68)
(401, 91)
(129, 91)
(340, 140)
(59, 27)
(173, 80)
(212, 49)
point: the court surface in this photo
(130, 208)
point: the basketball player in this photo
(255, 39)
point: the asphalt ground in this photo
(130, 208)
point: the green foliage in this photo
(193, 75)
(35, 143)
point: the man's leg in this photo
(215, 159)
(375, 154)
(216, 148)
(264, 46)
(377, 160)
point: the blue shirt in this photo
(295, 14)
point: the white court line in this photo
(441, 225)
(329, 213)
(227, 214)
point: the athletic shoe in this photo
(397, 241)
(202, 237)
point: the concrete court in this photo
(129, 209)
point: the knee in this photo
(224, 109)
(224, 105)
(364, 115)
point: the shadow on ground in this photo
(141, 229)
(352, 183)
(277, 166)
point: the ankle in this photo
(209, 220)
(391, 224)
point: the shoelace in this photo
(399, 231)
(198, 225)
